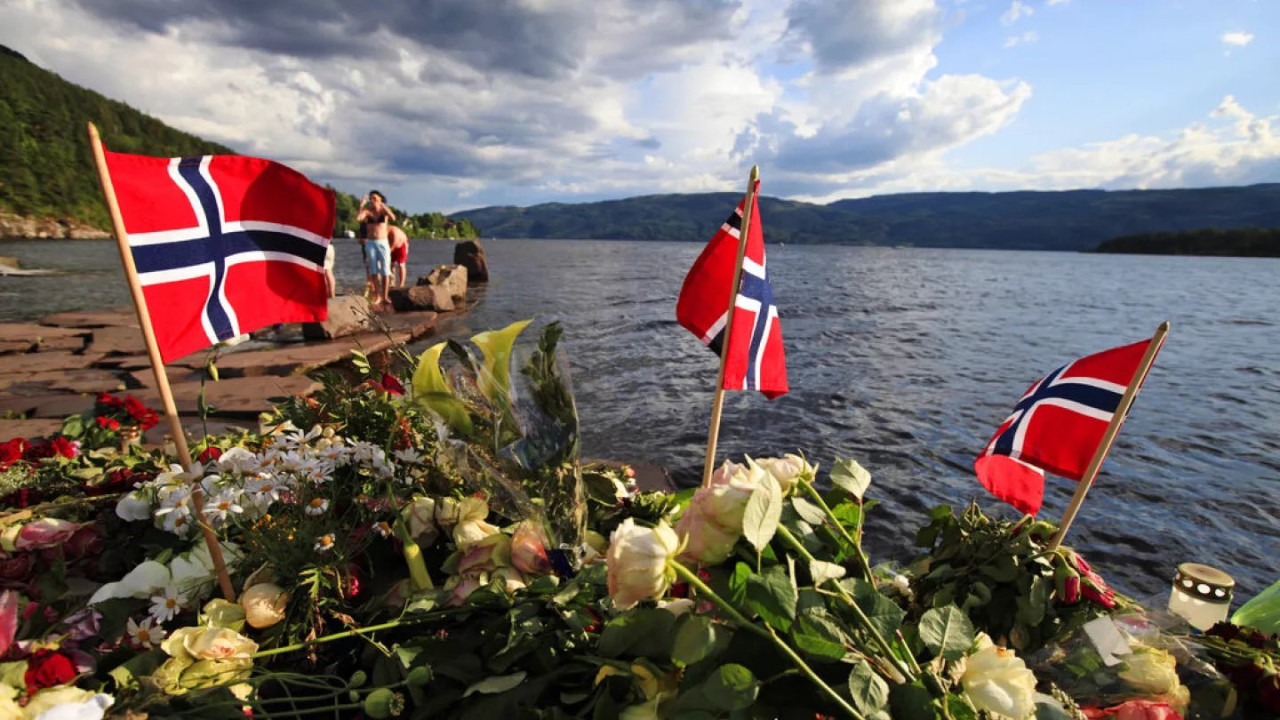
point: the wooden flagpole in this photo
(1108, 437)
(713, 436)
(157, 365)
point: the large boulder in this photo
(421, 297)
(470, 255)
(348, 315)
(453, 278)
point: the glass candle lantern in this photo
(1201, 595)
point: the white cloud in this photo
(1237, 39)
(1025, 38)
(1058, 2)
(1016, 12)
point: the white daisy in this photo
(144, 634)
(325, 543)
(317, 507)
(222, 506)
(383, 528)
(167, 605)
(409, 456)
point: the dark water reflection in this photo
(905, 360)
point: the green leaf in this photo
(764, 510)
(126, 674)
(870, 692)
(496, 684)
(432, 390)
(947, 632)
(772, 596)
(732, 687)
(694, 640)
(495, 375)
(809, 512)
(820, 636)
(851, 477)
(637, 632)
(1261, 613)
(884, 614)
(738, 584)
(911, 702)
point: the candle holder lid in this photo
(1204, 582)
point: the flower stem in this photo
(402, 622)
(742, 622)
(412, 557)
(863, 566)
(863, 620)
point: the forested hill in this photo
(46, 165)
(1066, 220)
(1244, 242)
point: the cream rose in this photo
(265, 604)
(529, 549)
(712, 523)
(788, 470)
(998, 681)
(419, 518)
(638, 562)
(218, 644)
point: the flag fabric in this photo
(1057, 426)
(756, 360)
(223, 244)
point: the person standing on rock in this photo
(377, 218)
(399, 255)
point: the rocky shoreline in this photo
(19, 227)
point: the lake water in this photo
(903, 359)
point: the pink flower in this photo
(16, 568)
(44, 533)
(529, 549)
(1135, 710)
(8, 620)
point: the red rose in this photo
(17, 567)
(107, 423)
(213, 452)
(12, 451)
(48, 668)
(38, 451)
(391, 384)
(87, 542)
(21, 499)
(66, 448)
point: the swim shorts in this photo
(378, 252)
(400, 255)
(330, 256)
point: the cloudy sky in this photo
(454, 104)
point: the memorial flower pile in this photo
(431, 545)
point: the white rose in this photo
(712, 523)
(788, 470)
(638, 562)
(67, 703)
(419, 518)
(134, 507)
(264, 604)
(998, 681)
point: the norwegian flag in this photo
(223, 244)
(756, 360)
(1057, 426)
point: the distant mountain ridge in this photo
(1020, 220)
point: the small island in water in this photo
(1242, 242)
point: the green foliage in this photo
(1070, 220)
(1243, 242)
(47, 168)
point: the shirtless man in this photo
(399, 255)
(377, 218)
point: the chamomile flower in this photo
(317, 507)
(325, 543)
(383, 528)
(167, 605)
(144, 634)
(223, 505)
(409, 456)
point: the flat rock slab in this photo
(243, 397)
(43, 427)
(113, 317)
(51, 405)
(31, 332)
(77, 380)
(56, 360)
(117, 341)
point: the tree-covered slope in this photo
(46, 166)
(1244, 242)
(1066, 220)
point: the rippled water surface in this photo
(905, 360)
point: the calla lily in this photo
(495, 376)
(44, 533)
(143, 581)
(431, 389)
(8, 620)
